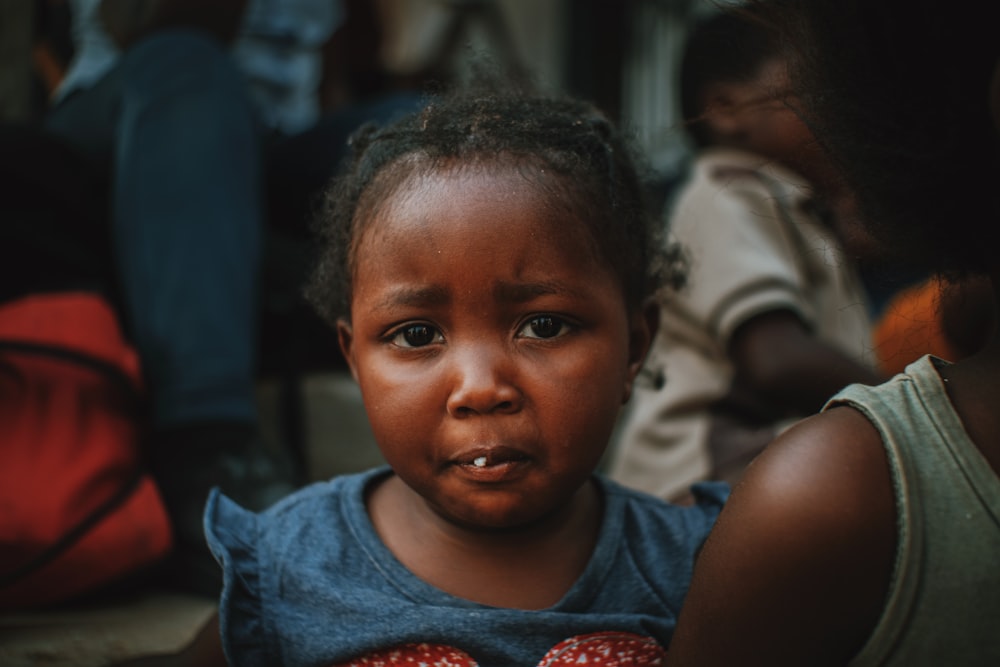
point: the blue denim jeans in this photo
(173, 124)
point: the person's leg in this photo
(186, 226)
(173, 124)
(187, 219)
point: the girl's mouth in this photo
(492, 465)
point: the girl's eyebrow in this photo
(504, 292)
(523, 292)
(406, 295)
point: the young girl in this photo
(870, 534)
(488, 266)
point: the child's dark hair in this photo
(896, 91)
(599, 181)
(728, 46)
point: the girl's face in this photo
(492, 348)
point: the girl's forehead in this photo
(464, 204)
(502, 182)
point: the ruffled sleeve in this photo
(711, 496)
(233, 537)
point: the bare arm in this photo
(780, 360)
(797, 569)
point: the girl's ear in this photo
(345, 336)
(645, 322)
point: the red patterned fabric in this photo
(600, 649)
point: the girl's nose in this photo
(482, 378)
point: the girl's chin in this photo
(500, 517)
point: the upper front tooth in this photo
(479, 462)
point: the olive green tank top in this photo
(943, 606)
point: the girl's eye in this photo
(415, 335)
(544, 326)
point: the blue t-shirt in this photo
(309, 582)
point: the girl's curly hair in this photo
(599, 179)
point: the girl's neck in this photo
(532, 567)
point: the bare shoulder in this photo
(834, 456)
(797, 569)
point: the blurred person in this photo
(773, 319)
(195, 109)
